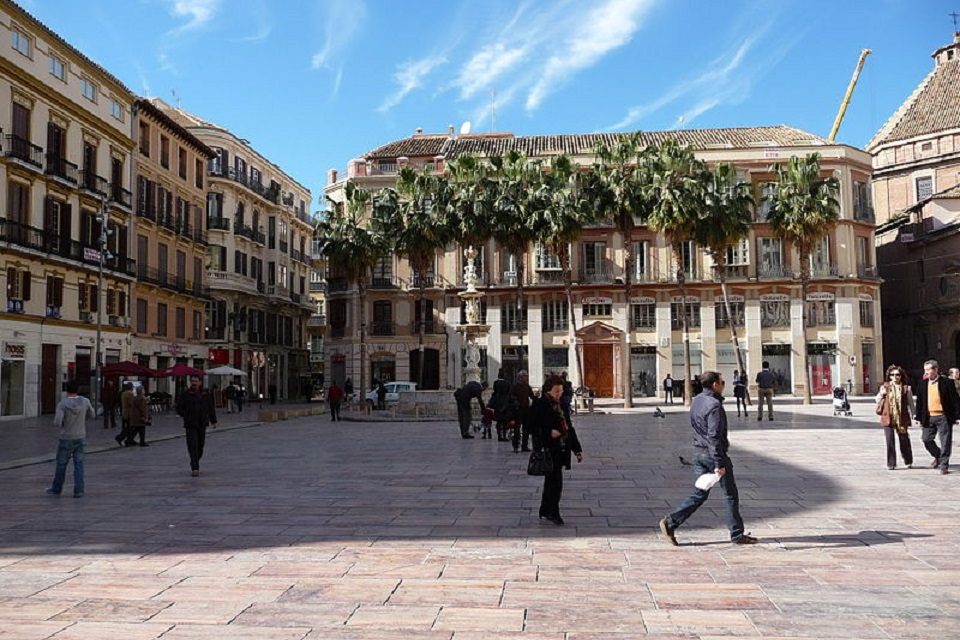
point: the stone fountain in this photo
(472, 329)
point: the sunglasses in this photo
(894, 375)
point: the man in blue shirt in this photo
(765, 382)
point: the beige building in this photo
(258, 264)
(170, 241)
(842, 331)
(65, 174)
(317, 322)
(916, 188)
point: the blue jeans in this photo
(69, 449)
(703, 463)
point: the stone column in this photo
(798, 346)
(534, 340)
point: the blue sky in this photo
(314, 83)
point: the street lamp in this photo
(102, 255)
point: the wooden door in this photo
(598, 368)
(49, 374)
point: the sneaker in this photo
(746, 538)
(195, 473)
(667, 532)
(468, 436)
(50, 492)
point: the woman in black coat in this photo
(558, 437)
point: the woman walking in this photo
(553, 434)
(139, 418)
(895, 406)
(740, 391)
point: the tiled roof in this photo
(585, 144)
(933, 106)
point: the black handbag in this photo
(540, 463)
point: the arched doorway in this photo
(431, 368)
(599, 345)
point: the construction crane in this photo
(846, 98)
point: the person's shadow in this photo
(864, 538)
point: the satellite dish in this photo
(465, 128)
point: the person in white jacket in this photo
(72, 415)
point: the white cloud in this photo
(197, 12)
(485, 66)
(410, 76)
(603, 29)
(341, 22)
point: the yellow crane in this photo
(846, 98)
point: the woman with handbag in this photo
(556, 439)
(896, 408)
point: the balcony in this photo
(27, 237)
(22, 149)
(227, 280)
(601, 273)
(120, 195)
(298, 256)
(90, 181)
(278, 291)
(295, 298)
(171, 281)
(318, 287)
(549, 276)
(218, 224)
(61, 168)
(284, 247)
(867, 272)
(317, 320)
(118, 321)
(825, 271)
(864, 213)
(146, 209)
(733, 272)
(647, 275)
(430, 328)
(384, 282)
(383, 328)
(689, 275)
(335, 285)
(773, 272)
(287, 199)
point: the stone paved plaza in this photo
(307, 529)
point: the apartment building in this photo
(317, 322)
(65, 178)
(259, 246)
(170, 240)
(842, 328)
(916, 188)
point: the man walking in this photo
(195, 406)
(765, 382)
(501, 402)
(668, 389)
(522, 395)
(109, 398)
(710, 445)
(938, 407)
(464, 395)
(71, 416)
(335, 397)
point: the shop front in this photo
(824, 375)
(779, 356)
(643, 368)
(13, 364)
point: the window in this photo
(693, 315)
(198, 173)
(863, 257)
(597, 310)
(56, 68)
(20, 41)
(555, 315)
(736, 312)
(88, 89)
(141, 316)
(594, 266)
(382, 318)
(545, 259)
(514, 318)
(821, 313)
(771, 258)
(775, 313)
(862, 202)
(643, 316)
(738, 255)
(182, 162)
(820, 259)
(18, 289)
(54, 295)
(197, 324)
(116, 110)
(688, 255)
(866, 313)
(161, 319)
(765, 192)
(89, 296)
(383, 272)
(145, 139)
(924, 188)
(165, 152)
(641, 270)
(181, 322)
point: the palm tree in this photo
(563, 215)
(354, 244)
(515, 214)
(414, 230)
(725, 218)
(678, 193)
(803, 209)
(620, 189)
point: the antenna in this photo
(493, 110)
(956, 17)
(176, 98)
(465, 128)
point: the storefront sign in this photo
(820, 297)
(733, 298)
(91, 255)
(866, 297)
(774, 297)
(643, 300)
(219, 356)
(689, 299)
(174, 349)
(597, 300)
(14, 351)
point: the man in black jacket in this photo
(195, 406)
(710, 445)
(464, 395)
(938, 408)
(522, 394)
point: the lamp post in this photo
(101, 252)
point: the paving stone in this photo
(394, 617)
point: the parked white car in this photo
(394, 389)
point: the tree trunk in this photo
(627, 283)
(722, 272)
(568, 288)
(804, 282)
(421, 329)
(520, 314)
(687, 374)
(362, 383)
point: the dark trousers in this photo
(521, 435)
(334, 410)
(501, 430)
(195, 440)
(906, 450)
(742, 400)
(463, 415)
(703, 463)
(939, 426)
(109, 417)
(552, 490)
(126, 432)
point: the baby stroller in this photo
(841, 406)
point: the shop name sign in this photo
(14, 351)
(643, 300)
(775, 297)
(820, 297)
(597, 300)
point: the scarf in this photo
(894, 401)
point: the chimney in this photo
(331, 176)
(450, 131)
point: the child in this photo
(487, 421)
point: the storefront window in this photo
(555, 361)
(12, 374)
(643, 367)
(778, 355)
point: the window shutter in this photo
(122, 243)
(66, 223)
(121, 303)
(11, 282)
(26, 277)
(82, 291)
(50, 292)
(110, 306)
(49, 222)
(224, 161)
(94, 298)
(58, 292)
